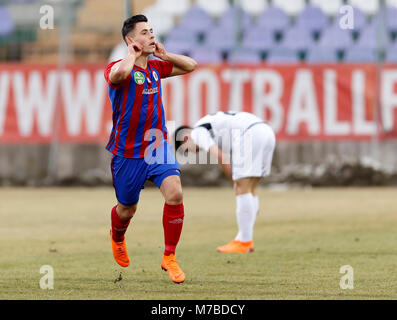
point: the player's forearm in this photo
(122, 69)
(227, 169)
(185, 63)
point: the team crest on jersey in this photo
(139, 77)
(155, 76)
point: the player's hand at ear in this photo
(160, 51)
(134, 47)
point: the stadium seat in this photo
(244, 56)
(330, 8)
(159, 20)
(312, 18)
(196, 19)
(320, 54)
(297, 39)
(221, 38)
(179, 46)
(291, 8)
(254, 7)
(371, 37)
(233, 15)
(273, 19)
(280, 55)
(180, 33)
(358, 55)
(203, 55)
(6, 23)
(387, 17)
(173, 8)
(336, 38)
(258, 39)
(391, 54)
(367, 6)
(214, 8)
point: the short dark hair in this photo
(178, 143)
(130, 23)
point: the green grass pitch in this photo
(302, 238)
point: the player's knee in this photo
(175, 195)
(241, 187)
(125, 212)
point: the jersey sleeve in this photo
(107, 73)
(163, 67)
(202, 138)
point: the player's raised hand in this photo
(160, 51)
(134, 47)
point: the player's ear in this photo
(185, 138)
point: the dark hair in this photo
(178, 143)
(130, 23)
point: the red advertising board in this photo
(301, 102)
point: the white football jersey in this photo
(219, 128)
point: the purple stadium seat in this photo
(6, 23)
(359, 55)
(179, 47)
(297, 39)
(336, 38)
(179, 33)
(220, 38)
(229, 18)
(196, 19)
(203, 54)
(244, 56)
(370, 37)
(320, 54)
(280, 55)
(258, 39)
(391, 54)
(388, 17)
(273, 19)
(312, 18)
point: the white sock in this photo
(246, 213)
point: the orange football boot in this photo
(237, 246)
(120, 252)
(169, 264)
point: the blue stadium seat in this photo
(391, 54)
(313, 19)
(371, 37)
(220, 38)
(258, 39)
(280, 55)
(336, 38)
(196, 19)
(297, 39)
(273, 19)
(319, 54)
(231, 15)
(6, 23)
(204, 54)
(360, 55)
(244, 56)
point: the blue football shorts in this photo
(129, 175)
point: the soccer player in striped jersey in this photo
(138, 140)
(243, 146)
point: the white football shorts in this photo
(252, 151)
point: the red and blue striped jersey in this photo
(137, 110)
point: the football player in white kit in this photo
(243, 146)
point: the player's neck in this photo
(141, 62)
